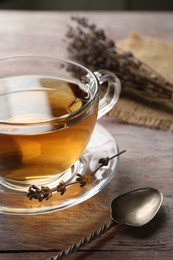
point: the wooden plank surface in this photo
(116, 255)
(43, 32)
(147, 162)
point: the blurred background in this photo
(88, 5)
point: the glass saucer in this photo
(101, 145)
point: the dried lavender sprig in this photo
(45, 192)
(83, 242)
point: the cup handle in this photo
(111, 92)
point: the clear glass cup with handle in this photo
(48, 110)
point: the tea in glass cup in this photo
(48, 110)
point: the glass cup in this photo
(48, 110)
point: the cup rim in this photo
(63, 117)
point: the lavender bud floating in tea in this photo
(90, 46)
(45, 193)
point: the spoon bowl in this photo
(137, 207)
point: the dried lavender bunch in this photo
(89, 46)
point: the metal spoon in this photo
(134, 208)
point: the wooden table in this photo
(147, 162)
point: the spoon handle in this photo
(83, 242)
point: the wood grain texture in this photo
(43, 32)
(147, 162)
(94, 255)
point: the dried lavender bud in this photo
(39, 193)
(104, 161)
(32, 192)
(46, 192)
(61, 187)
(82, 180)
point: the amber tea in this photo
(33, 144)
